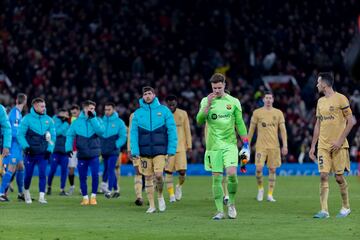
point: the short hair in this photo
(171, 98)
(110, 104)
(217, 77)
(148, 88)
(21, 98)
(75, 106)
(87, 103)
(37, 100)
(268, 92)
(327, 78)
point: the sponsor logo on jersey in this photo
(326, 118)
(216, 116)
(331, 108)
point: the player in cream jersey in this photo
(268, 121)
(333, 124)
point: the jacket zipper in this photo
(151, 140)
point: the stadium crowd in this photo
(69, 51)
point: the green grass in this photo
(288, 218)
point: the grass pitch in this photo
(288, 218)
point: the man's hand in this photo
(245, 153)
(5, 152)
(284, 150)
(210, 97)
(312, 153)
(91, 114)
(69, 154)
(336, 145)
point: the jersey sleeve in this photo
(239, 122)
(201, 116)
(345, 106)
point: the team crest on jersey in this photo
(331, 108)
(112, 125)
(228, 107)
(46, 122)
(159, 114)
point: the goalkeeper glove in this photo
(244, 156)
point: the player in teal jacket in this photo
(37, 136)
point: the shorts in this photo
(217, 160)
(177, 162)
(136, 162)
(73, 161)
(149, 166)
(271, 156)
(15, 156)
(336, 162)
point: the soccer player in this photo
(112, 140)
(268, 120)
(36, 135)
(222, 113)
(153, 140)
(5, 144)
(333, 124)
(73, 161)
(178, 162)
(138, 179)
(87, 130)
(59, 157)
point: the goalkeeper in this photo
(222, 113)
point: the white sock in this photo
(93, 195)
(86, 197)
(42, 195)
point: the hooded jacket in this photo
(153, 130)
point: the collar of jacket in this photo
(154, 104)
(35, 114)
(111, 117)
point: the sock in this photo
(160, 186)
(138, 186)
(232, 187)
(259, 180)
(117, 174)
(42, 195)
(181, 180)
(272, 178)
(93, 195)
(149, 188)
(20, 180)
(344, 194)
(5, 182)
(71, 179)
(218, 192)
(169, 184)
(324, 193)
(225, 186)
(86, 197)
